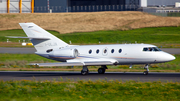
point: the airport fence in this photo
(165, 12)
(11, 10)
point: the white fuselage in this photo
(119, 53)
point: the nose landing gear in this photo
(85, 70)
(147, 69)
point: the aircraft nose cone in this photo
(165, 57)
(171, 57)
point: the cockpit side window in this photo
(156, 49)
(151, 49)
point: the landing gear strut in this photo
(85, 70)
(147, 70)
(102, 69)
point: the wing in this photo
(56, 64)
(78, 62)
(42, 38)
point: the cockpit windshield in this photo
(151, 49)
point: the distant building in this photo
(84, 5)
(157, 3)
(44, 6)
(99, 5)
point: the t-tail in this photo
(42, 40)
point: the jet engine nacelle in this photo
(64, 54)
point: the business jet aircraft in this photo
(51, 47)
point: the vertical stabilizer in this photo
(41, 39)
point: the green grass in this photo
(143, 35)
(160, 36)
(21, 61)
(66, 90)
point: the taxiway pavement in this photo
(49, 75)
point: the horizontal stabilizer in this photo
(40, 38)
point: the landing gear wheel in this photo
(101, 70)
(145, 72)
(147, 69)
(84, 72)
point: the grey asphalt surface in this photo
(43, 75)
(17, 50)
(171, 50)
(32, 50)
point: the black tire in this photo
(101, 70)
(145, 72)
(84, 72)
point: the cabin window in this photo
(105, 50)
(120, 50)
(97, 51)
(90, 51)
(112, 51)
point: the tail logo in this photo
(30, 26)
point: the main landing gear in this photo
(147, 70)
(101, 70)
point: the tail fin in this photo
(41, 39)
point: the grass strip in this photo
(63, 90)
(160, 36)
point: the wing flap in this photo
(79, 62)
(98, 63)
(57, 64)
